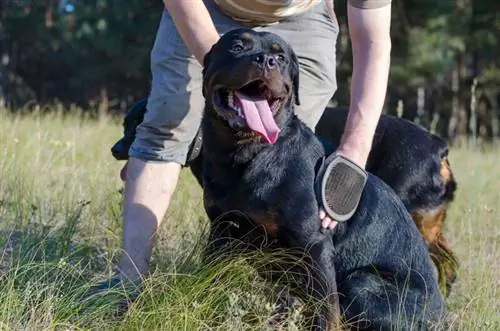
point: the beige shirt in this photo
(271, 11)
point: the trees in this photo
(80, 54)
(96, 52)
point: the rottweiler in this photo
(415, 164)
(258, 169)
(411, 160)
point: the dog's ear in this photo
(206, 58)
(206, 62)
(294, 75)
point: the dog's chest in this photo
(264, 188)
(252, 185)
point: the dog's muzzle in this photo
(254, 105)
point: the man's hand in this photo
(326, 221)
(369, 30)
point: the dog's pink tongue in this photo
(259, 117)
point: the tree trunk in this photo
(4, 60)
(453, 126)
(421, 119)
(49, 19)
(400, 108)
(104, 101)
(494, 119)
(4, 57)
(473, 113)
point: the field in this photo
(60, 221)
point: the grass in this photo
(60, 223)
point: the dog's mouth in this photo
(254, 104)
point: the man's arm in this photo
(194, 25)
(369, 30)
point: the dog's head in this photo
(251, 81)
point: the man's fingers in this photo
(326, 222)
(333, 224)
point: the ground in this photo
(60, 223)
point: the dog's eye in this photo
(281, 58)
(237, 48)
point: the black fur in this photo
(404, 155)
(377, 259)
(414, 163)
(134, 117)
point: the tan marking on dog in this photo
(445, 170)
(246, 36)
(430, 222)
(267, 220)
(276, 48)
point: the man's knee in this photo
(173, 114)
(162, 138)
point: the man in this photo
(186, 33)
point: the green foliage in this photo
(100, 51)
(73, 56)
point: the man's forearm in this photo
(194, 24)
(371, 45)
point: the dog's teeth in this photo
(274, 104)
(230, 99)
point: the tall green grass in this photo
(60, 224)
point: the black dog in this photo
(414, 163)
(411, 160)
(259, 159)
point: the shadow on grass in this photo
(43, 269)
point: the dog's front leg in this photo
(318, 278)
(219, 242)
(232, 234)
(324, 286)
(221, 236)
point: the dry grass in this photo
(60, 223)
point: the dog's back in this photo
(384, 274)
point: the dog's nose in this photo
(269, 61)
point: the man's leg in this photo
(172, 118)
(160, 148)
(149, 187)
